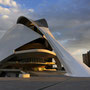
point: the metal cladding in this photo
(23, 32)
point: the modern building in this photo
(25, 48)
(86, 58)
(29, 45)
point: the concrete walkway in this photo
(45, 81)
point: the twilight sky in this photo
(69, 20)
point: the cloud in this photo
(13, 3)
(8, 3)
(66, 40)
(5, 16)
(79, 51)
(12, 12)
(4, 10)
(31, 10)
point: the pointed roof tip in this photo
(42, 22)
(24, 20)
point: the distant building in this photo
(86, 58)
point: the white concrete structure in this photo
(23, 33)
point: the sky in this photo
(69, 20)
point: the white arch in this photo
(72, 66)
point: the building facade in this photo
(29, 45)
(29, 49)
(86, 58)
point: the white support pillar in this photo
(72, 66)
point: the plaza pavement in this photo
(45, 81)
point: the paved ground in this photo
(45, 81)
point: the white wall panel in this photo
(17, 36)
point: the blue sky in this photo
(35, 3)
(69, 20)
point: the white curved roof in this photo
(17, 36)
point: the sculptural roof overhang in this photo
(33, 24)
(28, 23)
